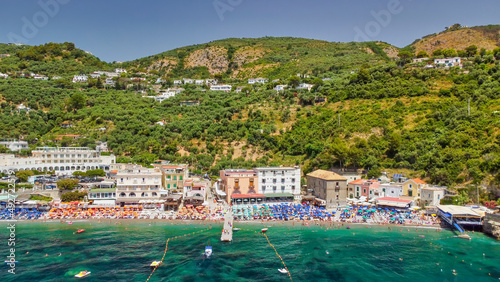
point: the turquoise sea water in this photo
(123, 253)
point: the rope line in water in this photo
(166, 248)
(288, 272)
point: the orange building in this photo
(239, 183)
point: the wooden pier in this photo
(227, 232)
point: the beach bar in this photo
(239, 199)
(393, 203)
(463, 216)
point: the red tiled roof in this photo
(234, 196)
(419, 181)
(359, 181)
(391, 199)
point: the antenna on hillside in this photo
(339, 119)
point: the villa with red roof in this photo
(412, 187)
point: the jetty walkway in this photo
(227, 231)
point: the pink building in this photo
(364, 187)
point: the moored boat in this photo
(208, 251)
(236, 229)
(80, 231)
(263, 230)
(82, 274)
(282, 270)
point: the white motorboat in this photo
(208, 251)
(282, 270)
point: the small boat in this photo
(80, 231)
(282, 270)
(348, 227)
(263, 230)
(208, 251)
(82, 274)
(70, 222)
(236, 229)
(155, 263)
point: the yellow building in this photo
(173, 176)
(412, 187)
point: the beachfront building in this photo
(393, 190)
(102, 196)
(173, 176)
(14, 145)
(328, 186)
(412, 187)
(394, 203)
(62, 160)
(137, 184)
(368, 188)
(431, 196)
(240, 186)
(195, 191)
(279, 183)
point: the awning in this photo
(279, 195)
(236, 196)
(104, 202)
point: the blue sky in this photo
(125, 30)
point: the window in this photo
(175, 185)
(121, 179)
(293, 187)
(168, 176)
(263, 188)
(168, 186)
(180, 177)
(282, 180)
(175, 177)
(337, 184)
(274, 180)
(410, 193)
(143, 179)
(439, 196)
(274, 188)
(282, 187)
(293, 180)
(263, 181)
(364, 190)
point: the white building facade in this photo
(62, 160)
(223, 87)
(278, 180)
(135, 183)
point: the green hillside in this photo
(270, 57)
(394, 116)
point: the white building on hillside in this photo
(449, 62)
(62, 160)
(305, 86)
(4, 75)
(15, 145)
(278, 180)
(280, 87)
(120, 70)
(80, 78)
(223, 87)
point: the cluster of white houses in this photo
(109, 76)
